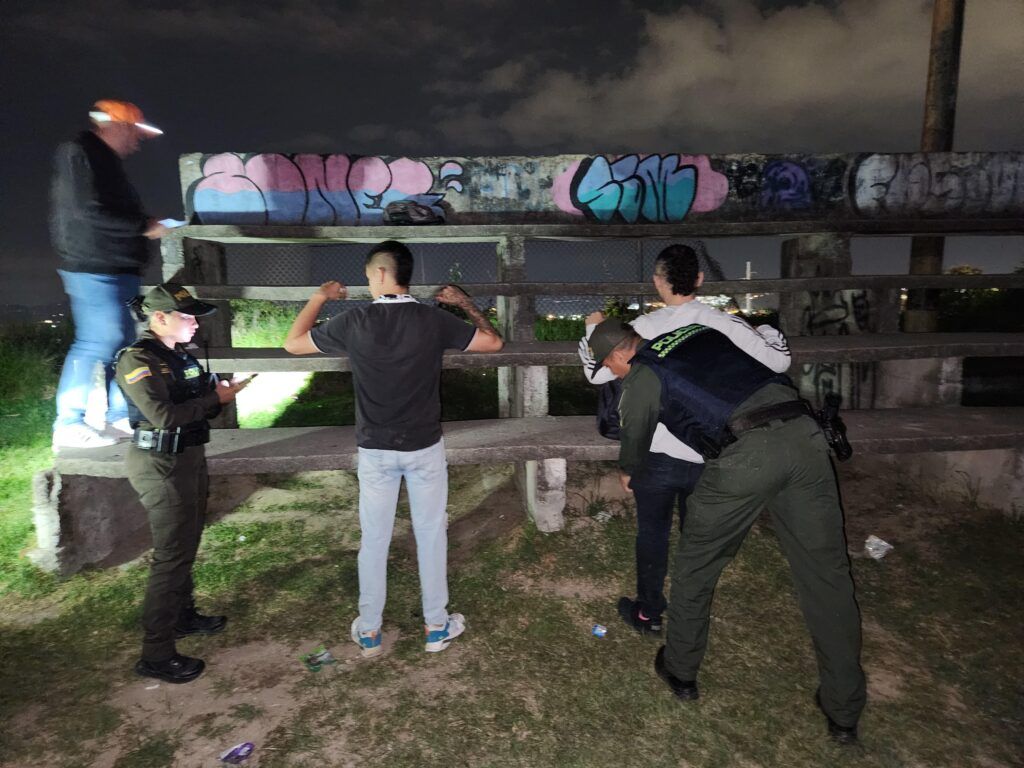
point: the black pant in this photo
(173, 489)
(658, 486)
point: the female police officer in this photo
(170, 399)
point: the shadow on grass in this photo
(466, 394)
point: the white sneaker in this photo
(440, 636)
(369, 642)
(119, 430)
(80, 436)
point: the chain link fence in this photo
(466, 263)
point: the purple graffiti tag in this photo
(786, 185)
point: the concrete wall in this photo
(993, 478)
(340, 189)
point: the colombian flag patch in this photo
(138, 375)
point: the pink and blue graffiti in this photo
(313, 189)
(632, 188)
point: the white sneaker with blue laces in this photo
(440, 636)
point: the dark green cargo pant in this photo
(784, 466)
(173, 489)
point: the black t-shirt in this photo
(395, 348)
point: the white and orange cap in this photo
(111, 111)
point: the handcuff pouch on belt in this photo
(171, 441)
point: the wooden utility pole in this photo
(937, 136)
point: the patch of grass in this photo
(30, 355)
(469, 393)
(258, 323)
(328, 399)
(569, 394)
(245, 712)
(154, 751)
(558, 329)
(29, 358)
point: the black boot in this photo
(844, 735)
(683, 689)
(191, 622)
(177, 669)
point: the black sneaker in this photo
(630, 612)
(683, 689)
(844, 735)
(177, 669)
(194, 623)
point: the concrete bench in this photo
(86, 513)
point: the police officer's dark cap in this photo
(607, 336)
(172, 297)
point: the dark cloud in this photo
(727, 76)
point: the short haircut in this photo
(679, 265)
(395, 257)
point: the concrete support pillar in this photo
(828, 313)
(523, 392)
(543, 486)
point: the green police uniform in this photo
(770, 453)
(170, 398)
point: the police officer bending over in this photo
(761, 448)
(170, 398)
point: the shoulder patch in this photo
(137, 375)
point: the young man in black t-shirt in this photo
(395, 346)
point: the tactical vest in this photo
(188, 380)
(704, 377)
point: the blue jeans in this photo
(426, 481)
(660, 483)
(103, 325)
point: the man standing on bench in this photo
(395, 346)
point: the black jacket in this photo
(96, 217)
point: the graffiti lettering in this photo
(652, 188)
(835, 313)
(340, 189)
(939, 184)
(314, 189)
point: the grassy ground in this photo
(29, 358)
(528, 685)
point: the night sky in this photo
(479, 77)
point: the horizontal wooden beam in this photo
(805, 349)
(486, 233)
(302, 449)
(726, 287)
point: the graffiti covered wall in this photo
(339, 189)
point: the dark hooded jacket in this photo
(96, 217)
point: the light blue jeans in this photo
(426, 481)
(103, 325)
